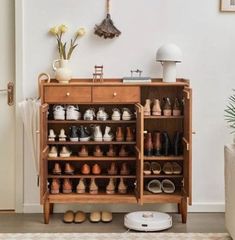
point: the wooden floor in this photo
(32, 223)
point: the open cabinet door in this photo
(43, 152)
(139, 152)
(187, 139)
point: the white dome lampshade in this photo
(169, 55)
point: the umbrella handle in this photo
(108, 6)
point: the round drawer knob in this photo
(67, 94)
(114, 94)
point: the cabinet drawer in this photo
(64, 94)
(116, 94)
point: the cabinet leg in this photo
(184, 209)
(46, 210)
(51, 208)
(179, 208)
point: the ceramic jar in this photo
(63, 73)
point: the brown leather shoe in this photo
(93, 188)
(111, 152)
(98, 152)
(167, 111)
(55, 186)
(148, 145)
(69, 169)
(125, 169)
(83, 151)
(110, 189)
(86, 169)
(112, 170)
(122, 188)
(123, 152)
(157, 145)
(81, 187)
(57, 169)
(96, 170)
(119, 134)
(176, 108)
(67, 186)
(129, 134)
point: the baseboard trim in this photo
(60, 208)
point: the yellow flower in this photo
(63, 28)
(54, 30)
(81, 32)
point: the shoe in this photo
(95, 217)
(168, 186)
(62, 136)
(81, 187)
(122, 188)
(110, 189)
(177, 169)
(154, 186)
(79, 217)
(108, 136)
(51, 136)
(166, 144)
(147, 168)
(167, 168)
(72, 113)
(74, 134)
(83, 151)
(102, 115)
(57, 169)
(156, 168)
(112, 170)
(126, 114)
(53, 153)
(111, 152)
(176, 108)
(98, 136)
(129, 134)
(85, 169)
(106, 217)
(55, 186)
(84, 135)
(147, 107)
(156, 109)
(148, 145)
(59, 112)
(98, 152)
(69, 169)
(65, 152)
(68, 217)
(124, 169)
(167, 111)
(116, 116)
(89, 114)
(93, 188)
(157, 145)
(67, 186)
(177, 144)
(123, 152)
(96, 170)
(119, 134)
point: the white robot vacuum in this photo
(148, 221)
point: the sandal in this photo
(168, 186)
(154, 186)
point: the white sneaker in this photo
(72, 113)
(98, 136)
(126, 114)
(59, 112)
(89, 114)
(51, 136)
(102, 115)
(53, 152)
(116, 116)
(108, 136)
(62, 136)
(65, 152)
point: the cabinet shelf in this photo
(90, 122)
(90, 143)
(164, 158)
(77, 176)
(163, 176)
(92, 158)
(164, 117)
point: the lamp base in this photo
(169, 71)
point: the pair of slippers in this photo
(80, 217)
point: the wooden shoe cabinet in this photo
(113, 93)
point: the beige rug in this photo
(115, 236)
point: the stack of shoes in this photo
(166, 186)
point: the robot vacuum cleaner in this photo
(148, 221)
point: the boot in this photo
(129, 134)
(113, 169)
(176, 108)
(84, 134)
(119, 134)
(125, 169)
(147, 107)
(85, 169)
(69, 169)
(83, 151)
(93, 188)
(67, 186)
(108, 136)
(157, 145)
(57, 169)
(177, 144)
(123, 152)
(74, 134)
(96, 170)
(148, 145)
(110, 189)
(98, 152)
(156, 109)
(81, 187)
(122, 188)
(166, 144)
(62, 136)
(111, 152)
(167, 111)
(55, 186)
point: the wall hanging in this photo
(227, 5)
(107, 29)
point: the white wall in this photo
(206, 38)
